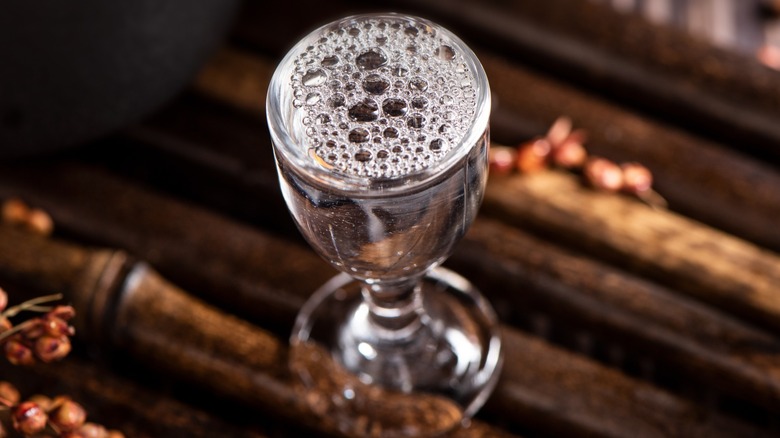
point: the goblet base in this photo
(421, 379)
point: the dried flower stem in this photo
(653, 199)
(31, 305)
(16, 329)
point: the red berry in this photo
(502, 160)
(28, 418)
(636, 178)
(56, 326)
(64, 312)
(92, 430)
(39, 222)
(18, 354)
(570, 154)
(9, 394)
(532, 156)
(41, 400)
(603, 174)
(51, 348)
(15, 211)
(68, 416)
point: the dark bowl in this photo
(73, 71)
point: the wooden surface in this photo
(620, 320)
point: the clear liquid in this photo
(391, 237)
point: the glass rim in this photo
(298, 160)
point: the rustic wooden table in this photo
(620, 320)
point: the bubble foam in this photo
(382, 97)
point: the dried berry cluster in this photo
(42, 416)
(564, 148)
(15, 212)
(42, 339)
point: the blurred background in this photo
(141, 127)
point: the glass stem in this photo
(395, 307)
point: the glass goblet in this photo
(380, 130)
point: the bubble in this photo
(427, 102)
(416, 121)
(375, 84)
(330, 61)
(390, 133)
(371, 60)
(419, 102)
(445, 53)
(312, 98)
(400, 71)
(363, 155)
(394, 107)
(359, 135)
(364, 111)
(314, 78)
(337, 100)
(418, 84)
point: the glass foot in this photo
(421, 379)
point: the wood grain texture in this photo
(156, 322)
(710, 265)
(653, 67)
(704, 345)
(123, 404)
(702, 179)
